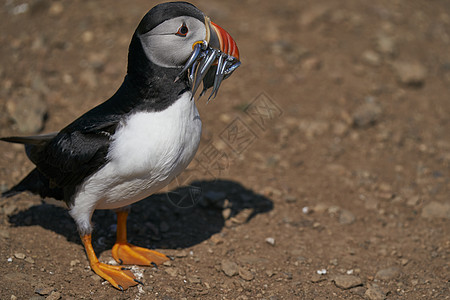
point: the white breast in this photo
(147, 151)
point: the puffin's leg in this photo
(128, 254)
(118, 276)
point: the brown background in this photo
(332, 139)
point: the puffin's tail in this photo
(22, 186)
(32, 182)
(36, 183)
(31, 143)
(30, 140)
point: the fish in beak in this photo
(212, 60)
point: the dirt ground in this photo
(324, 167)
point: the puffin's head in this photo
(178, 35)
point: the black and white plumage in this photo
(135, 143)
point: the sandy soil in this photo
(323, 171)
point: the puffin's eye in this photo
(182, 31)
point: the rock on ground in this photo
(374, 292)
(346, 217)
(410, 73)
(347, 281)
(366, 114)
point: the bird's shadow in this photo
(180, 218)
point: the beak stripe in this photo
(227, 43)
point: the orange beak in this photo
(222, 40)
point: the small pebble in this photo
(74, 262)
(171, 271)
(54, 296)
(312, 63)
(386, 44)
(87, 36)
(320, 208)
(181, 254)
(194, 279)
(148, 288)
(367, 114)
(29, 260)
(322, 272)
(246, 274)
(371, 58)
(359, 290)
(20, 9)
(19, 255)
(388, 273)
(346, 217)
(374, 292)
(290, 199)
(270, 241)
(229, 268)
(243, 216)
(217, 239)
(413, 201)
(44, 291)
(333, 209)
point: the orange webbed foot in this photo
(120, 277)
(128, 254)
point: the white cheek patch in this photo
(164, 48)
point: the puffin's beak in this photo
(221, 39)
(212, 60)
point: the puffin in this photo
(135, 143)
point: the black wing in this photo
(72, 155)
